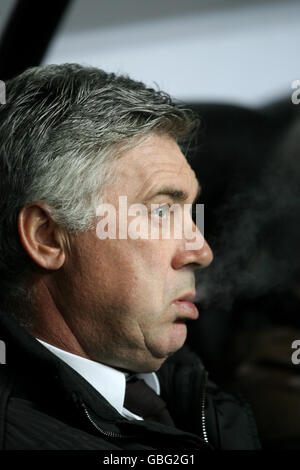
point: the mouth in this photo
(189, 297)
(186, 309)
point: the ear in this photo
(40, 236)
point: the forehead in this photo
(155, 162)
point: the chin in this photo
(158, 348)
(160, 355)
(177, 337)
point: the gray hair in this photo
(61, 129)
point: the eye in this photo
(162, 211)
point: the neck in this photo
(50, 325)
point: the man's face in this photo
(122, 294)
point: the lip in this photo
(189, 297)
(188, 309)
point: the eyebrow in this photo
(176, 194)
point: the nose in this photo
(200, 258)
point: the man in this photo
(81, 311)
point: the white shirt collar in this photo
(110, 382)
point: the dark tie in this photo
(143, 401)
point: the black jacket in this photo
(45, 404)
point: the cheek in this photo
(150, 268)
(135, 271)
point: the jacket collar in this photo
(49, 380)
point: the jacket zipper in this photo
(106, 433)
(114, 434)
(203, 417)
